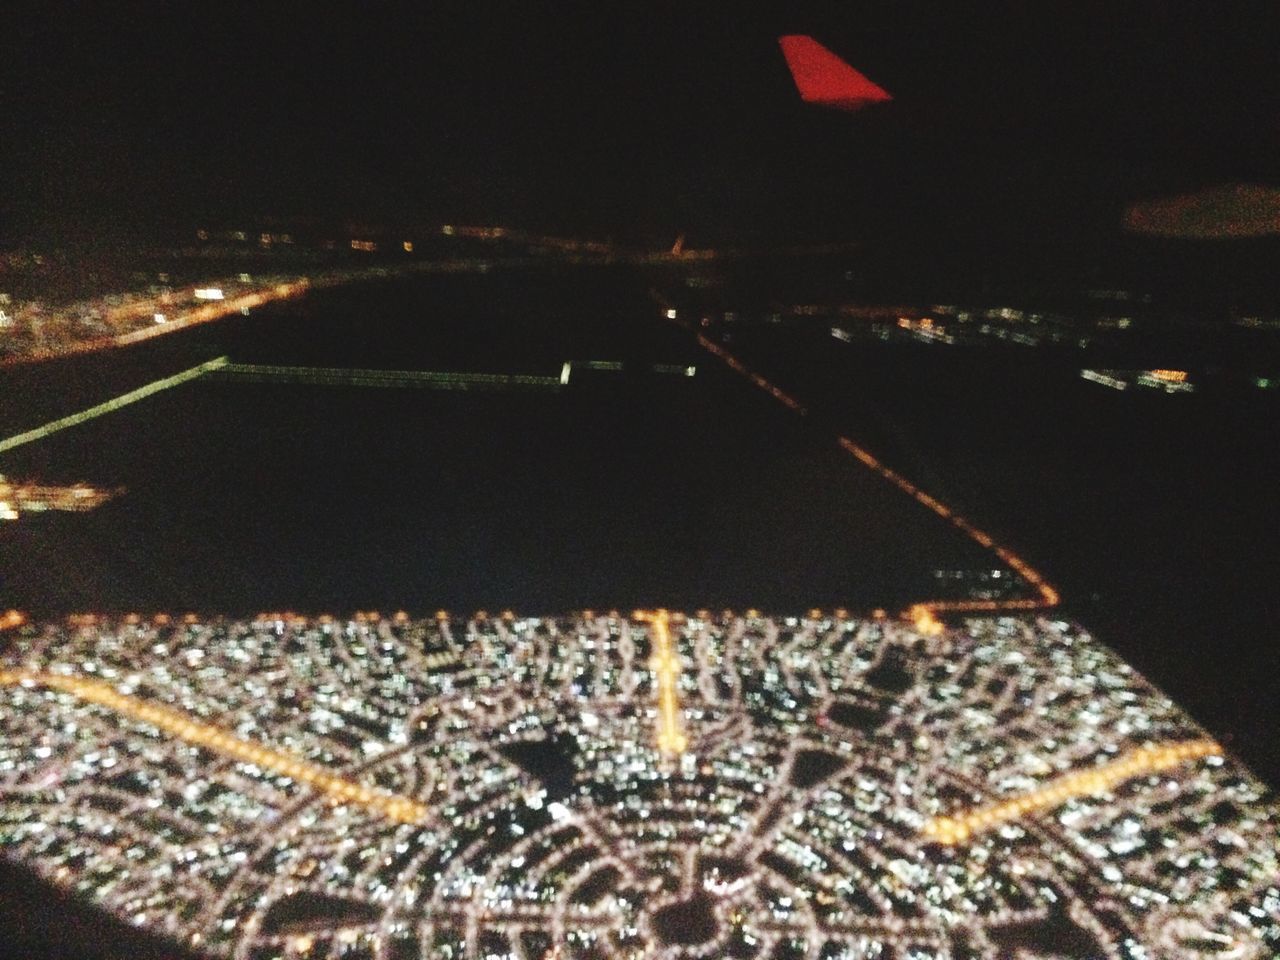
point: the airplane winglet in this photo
(824, 79)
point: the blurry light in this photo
(208, 293)
(1147, 759)
(177, 724)
(132, 396)
(925, 622)
(1096, 376)
(558, 811)
(823, 78)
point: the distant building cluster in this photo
(1167, 381)
(973, 325)
(17, 498)
(660, 785)
(46, 324)
(36, 329)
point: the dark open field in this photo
(625, 488)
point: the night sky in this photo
(1011, 122)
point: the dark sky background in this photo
(1013, 122)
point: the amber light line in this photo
(338, 789)
(206, 313)
(1080, 783)
(1047, 595)
(665, 664)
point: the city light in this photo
(355, 377)
(133, 396)
(19, 497)
(471, 719)
(1080, 783)
(823, 78)
(666, 666)
(216, 739)
(809, 785)
(1046, 595)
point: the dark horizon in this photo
(1008, 128)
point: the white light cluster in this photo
(495, 788)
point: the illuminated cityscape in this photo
(822, 458)
(38, 331)
(654, 785)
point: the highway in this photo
(210, 737)
(1046, 595)
(133, 396)
(666, 667)
(1080, 783)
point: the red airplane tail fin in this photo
(825, 79)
